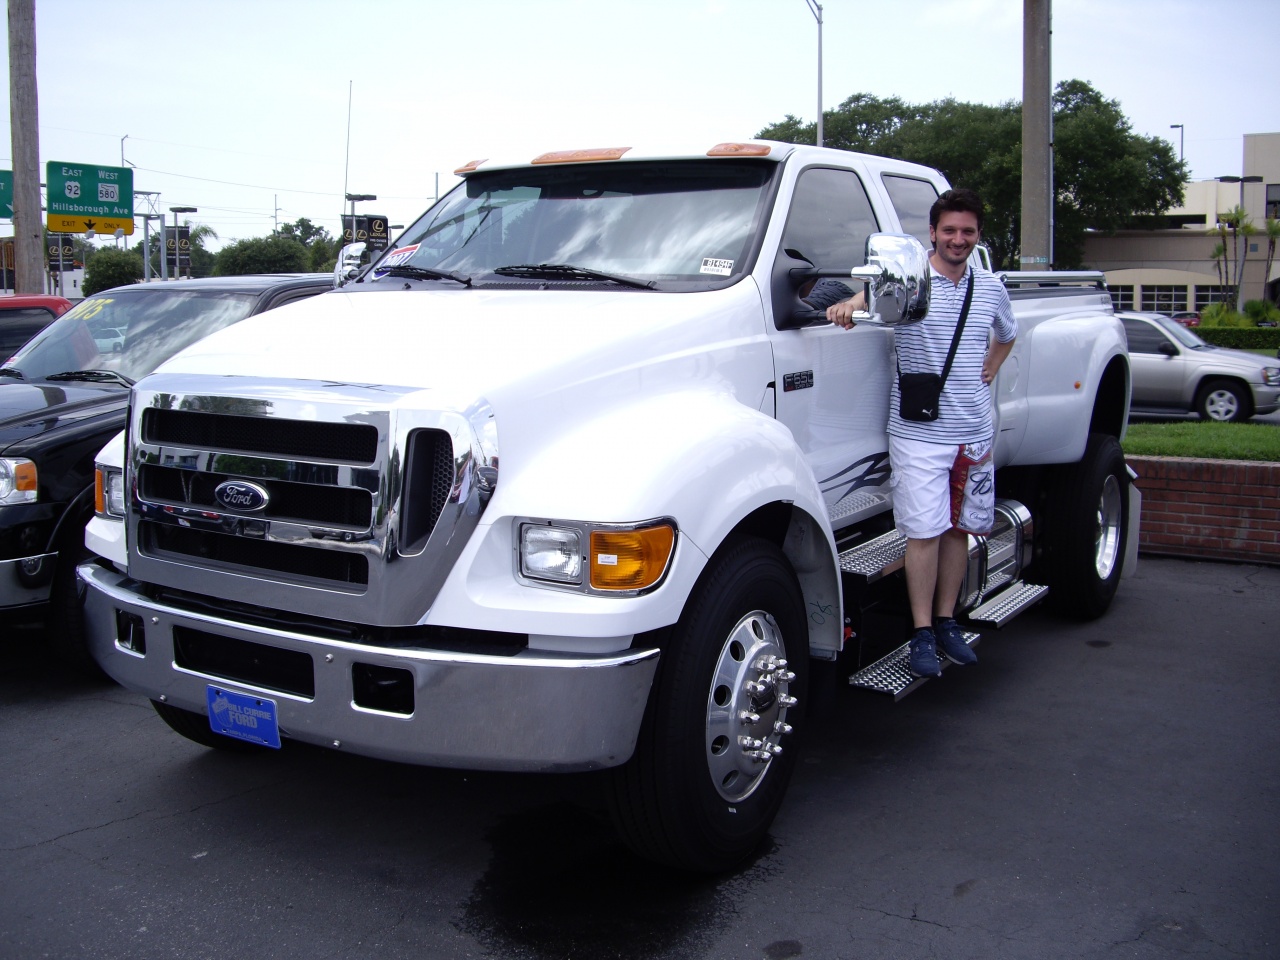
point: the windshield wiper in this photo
(11, 372)
(425, 273)
(567, 271)
(93, 376)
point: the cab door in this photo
(832, 385)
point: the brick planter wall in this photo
(1210, 509)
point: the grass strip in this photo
(1204, 439)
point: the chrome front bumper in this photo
(531, 711)
(26, 580)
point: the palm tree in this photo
(1245, 230)
(1271, 230)
(1219, 256)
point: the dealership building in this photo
(1169, 265)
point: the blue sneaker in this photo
(923, 660)
(951, 640)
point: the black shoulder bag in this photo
(918, 393)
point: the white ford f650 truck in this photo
(573, 477)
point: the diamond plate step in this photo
(876, 558)
(891, 675)
(1007, 604)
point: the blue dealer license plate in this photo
(243, 717)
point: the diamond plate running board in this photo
(876, 558)
(891, 675)
(1007, 604)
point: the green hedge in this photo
(1241, 338)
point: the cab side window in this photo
(912, 199)
(1143, 337)
(830, 219)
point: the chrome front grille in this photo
(368, 499)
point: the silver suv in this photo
(1175, 371)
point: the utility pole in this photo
(24, 125)
(1037, 137)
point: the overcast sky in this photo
(240, 107)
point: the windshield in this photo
(128, 333)
(683, 224)
(1179, 332)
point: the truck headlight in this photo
(551, 553)
(618, 559)
(1271, 376)
(108, 491)
(17, 480)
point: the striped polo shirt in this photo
(964, 413)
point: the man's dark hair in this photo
(959, 200)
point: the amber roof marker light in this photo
(739, 150)
(581, 156)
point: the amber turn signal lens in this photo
(630, 559)
(24, 476)
(99, 496)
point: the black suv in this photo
(64, 395)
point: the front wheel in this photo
(1087, 530)
(1223, 400)
(717, 747)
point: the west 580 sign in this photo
(83, 197)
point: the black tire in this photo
(64, 626)
(692, 796)
(1224, 401)
(195, 727)
(1087, 528)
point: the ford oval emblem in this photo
(240, 495)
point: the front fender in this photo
(699, 457)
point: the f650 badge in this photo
(240, 495)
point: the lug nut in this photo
(786, 700)
(781, 727)
(749, 718)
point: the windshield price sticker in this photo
(721, 268)
(243, 717)
(395, 258)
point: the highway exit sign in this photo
(6, 194)
(83, 197)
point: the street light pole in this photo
(816, 9)
(1181, 131)
(354, 198)
(1242, 248)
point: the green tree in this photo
(1104, 174)
(109, 268)
(262, 255)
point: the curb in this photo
(1209, 509)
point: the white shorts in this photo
(940, 486)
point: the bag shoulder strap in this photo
(955, 340)
(964, 313)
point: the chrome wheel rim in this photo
(747, 706)
(1110, 516)
(1221, 405)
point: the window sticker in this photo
(394, 259)
(721, 268)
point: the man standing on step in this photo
(941, 432)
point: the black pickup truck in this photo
(64, 395)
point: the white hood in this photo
(511, 347)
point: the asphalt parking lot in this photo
(1104, 790)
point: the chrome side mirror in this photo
(348, 266)
(897, 277)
